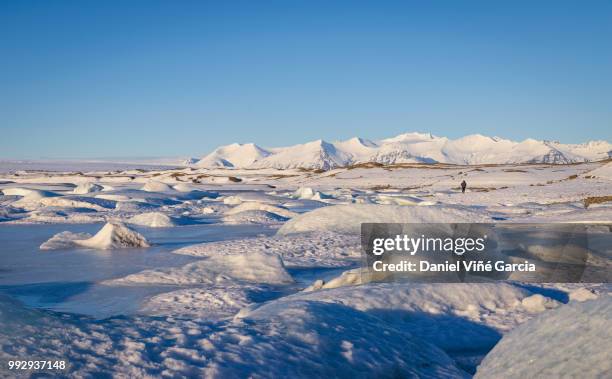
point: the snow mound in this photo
(84, 188)
(153, 220)
(114, 235)
(154, 186)
(348, 218)
(94, 203)
(257, 206)
(464, 320)
(254, 217)
(221, 268)
(314, 339)
(322, 249)
(27, 194)
(53, 215)
(307, 193)
(572, 341)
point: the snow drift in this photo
(317, 339)
(27, 194)
(219, 268)
(348, 218)
(254, 205)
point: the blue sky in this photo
(83, 79)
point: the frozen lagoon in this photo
(68, 280)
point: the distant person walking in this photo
(463, 185)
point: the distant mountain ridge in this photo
(405, 148)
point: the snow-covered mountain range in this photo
(405, 148)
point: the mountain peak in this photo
(412, 147)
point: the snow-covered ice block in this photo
(113, 235)
(572, 341)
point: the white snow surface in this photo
(286, 341)
(604, 172)
(237, 306)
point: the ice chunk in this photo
(87, 187)
(307, 193)
(113, 235)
